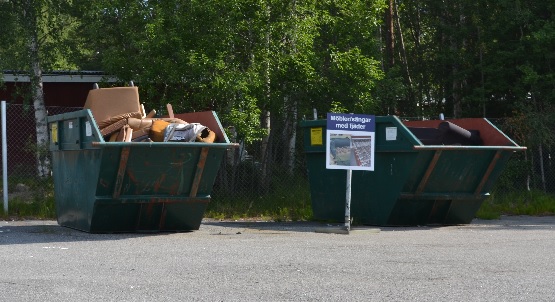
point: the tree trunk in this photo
(482, 77)
(41, 128)
(43, 161)
(456, 95)
(529, 180)
(291, 103)
(402, 43)
(265, 118)
(290, 135)
(457, 82)
(265, 123)
(411, 99)
(293, 141)
(389, 37)
(542, 171)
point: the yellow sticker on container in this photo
(54, 133)
(315, 136)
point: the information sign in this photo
(350, 141)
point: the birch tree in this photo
(35, 34)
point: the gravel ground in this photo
(511, 259)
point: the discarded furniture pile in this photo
(122, 118)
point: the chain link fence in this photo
(24, 184)
(248, 176)
(529, 170)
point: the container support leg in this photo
(121, 172)
(488, 173)
(162, 217)
(198, 173)
(428, 172)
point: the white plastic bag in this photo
(182, 132)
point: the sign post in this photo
(348, 201)
(350, 141)
(4, 158)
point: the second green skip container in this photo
(412, 183)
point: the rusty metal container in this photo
(106, 187)
(416, 179)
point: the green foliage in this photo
(530, 126)
(492, 55)
(515, 174)
(276, 55)
(355, 76)
(337, 107)
(246, 122)
(388, 93)
(54, 26)
(239, 57)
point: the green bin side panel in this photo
(454, 190)
(157, 171)
(410, 212)
(113, 217)
(412, 184)
(327, 189)
(503, 157)
(373, 193)
(155, 189)
(455, 171)
(75, 175)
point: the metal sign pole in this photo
(4, 158)
(348, 201)
(349, 146)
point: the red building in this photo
(63, 92)
(61, 88)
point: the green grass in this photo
(36, 208)
(534, 203)
(37, 202)
(285, 203)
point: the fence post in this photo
(4, 158)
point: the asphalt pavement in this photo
(510, 259)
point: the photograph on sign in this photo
(348, 151)
(350, 142)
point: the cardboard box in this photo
(107, 104)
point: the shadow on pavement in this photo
(28, 232)
(505, 222)
(36, 231)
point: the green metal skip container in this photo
(107, 187)
(415, 181)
